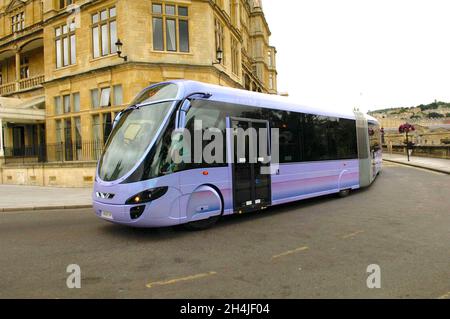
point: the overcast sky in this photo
(368, 53)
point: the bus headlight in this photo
(147, 196)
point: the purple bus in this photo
(319, 152)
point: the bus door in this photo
(251, 165)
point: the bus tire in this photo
(344, 193)
(202, 224)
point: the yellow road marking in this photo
(290, 252)
(446, 296)
(352, 234)
(177, 280)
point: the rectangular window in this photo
(66, 51)
(66, 101)
(96, 128)
(314, 138)
(170, 28)
(113, 36)
(73, 50)
(65, 45)
(18, 22)
(107, 126)
(158, 38)
(171, 38)
(97, 134)
(68, 140)
(58, 106)
(95, 103)
(118, 95)
(328, 138)
(76, 102)
(58, 131)
(104, 32)
(78, 138)
(105, 98)
(157, 8)
(183, 11)
(24, 68)
(170, 10)
(183, 26)
(289, 142)
(64, 3)
(96, 46)
(269, 58)
(59, 140)
(105, 40)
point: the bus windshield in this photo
(157, 93)
(130, 139)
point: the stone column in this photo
(2, 152)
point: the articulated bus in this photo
(139, 184)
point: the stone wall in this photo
(425, 151)
(51, 174)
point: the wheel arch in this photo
(220, 195)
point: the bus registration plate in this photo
(107, 215)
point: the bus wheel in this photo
(202, 224)
(344, 193)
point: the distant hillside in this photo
(436, 109)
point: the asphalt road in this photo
(318, 248)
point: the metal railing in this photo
(55, 153)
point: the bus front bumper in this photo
(153, 216)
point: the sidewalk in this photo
(19, 198)
(435, 164)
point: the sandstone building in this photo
(62, 80)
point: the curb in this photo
(419, 166)
(40, 208)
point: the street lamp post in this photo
(405, 129)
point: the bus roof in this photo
(372, 119)
(244, 97)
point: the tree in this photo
(435, 115)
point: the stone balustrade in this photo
(23, 84)
(434, 151)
